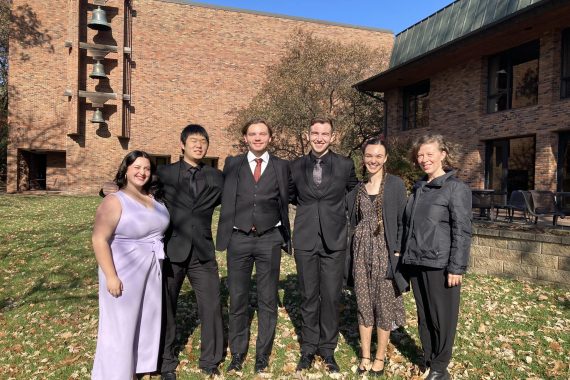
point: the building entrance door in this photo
(38, 166)
(563, 162)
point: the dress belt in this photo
(157, 248)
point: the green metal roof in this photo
(456, 20)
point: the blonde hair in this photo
(443, 145)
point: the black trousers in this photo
(438, 311)
(245, 250)
(320, 272)
(205, 281)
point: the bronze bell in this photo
(98, 117)
(98, 71)
(99, 20)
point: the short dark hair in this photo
(193, 129)
(321, 120)
(120, 177)
(256, 121)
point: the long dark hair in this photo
(152, 186)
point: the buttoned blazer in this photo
(190, 219)
(321, 210)
(232, 167)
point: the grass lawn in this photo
(48, 311)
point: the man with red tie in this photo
(253, 227)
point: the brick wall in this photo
(189, 63)
(521, 255)
(458, 97)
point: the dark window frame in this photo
(208, 160)
(416, 94)
(565, 64)
(160, 157)
(500, 74)
(506, 141)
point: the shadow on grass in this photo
(43, 289)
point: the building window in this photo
(160, 160)
(416, 106)
(513, 78)
(509, 164)
(210, 161)
(565, 75)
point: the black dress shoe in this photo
(305, 362)
(168, 375)
(237, 362)
(438, 375)
(211, 372)
(261, 363)
(360, 370)
(373, 373)
(330, 364)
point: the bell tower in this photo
(99, 69)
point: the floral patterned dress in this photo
(379, 302)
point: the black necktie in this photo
(193, 188)
(318, 172)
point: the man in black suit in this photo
(254, 224)
(321, 180)
(191, 191)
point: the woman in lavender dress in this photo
(127, 240)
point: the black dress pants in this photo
(205, 281)
(245, 250)
(438, 311)
(320, 273)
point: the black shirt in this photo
(198, 177)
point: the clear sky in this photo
(394, 15)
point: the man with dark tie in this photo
(321, 179)
(191, 191)
(254, 224)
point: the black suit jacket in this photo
(190, 219)
(232, 168)
(321, 209)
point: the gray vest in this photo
(257, 204)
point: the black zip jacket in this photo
(438, 224)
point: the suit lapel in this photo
(183, 191)
(207, 185)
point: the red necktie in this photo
(257, 171)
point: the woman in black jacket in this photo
(437, 244)
(376, 208)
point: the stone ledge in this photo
(538, 260)
(555, 249)
(527, 271)
(517, 235)
(524, 246)
(507, 255)
(554, 275)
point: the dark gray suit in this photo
(247, 229)
(320, 241)
(190, 251)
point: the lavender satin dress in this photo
(129, 326)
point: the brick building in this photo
(494, 77)
(168, 63)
